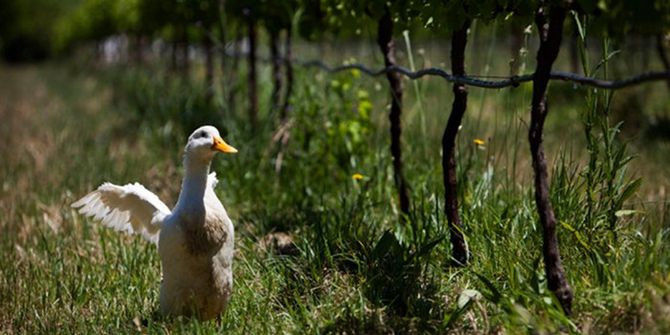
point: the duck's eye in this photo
(202, 134)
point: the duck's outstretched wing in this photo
(130, 208)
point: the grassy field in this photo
(354, 266)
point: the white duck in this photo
(195, 240)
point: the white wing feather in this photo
(130, 208)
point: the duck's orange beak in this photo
(221, 146)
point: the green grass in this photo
(357, 267)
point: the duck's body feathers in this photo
(198, 276)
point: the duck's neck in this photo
(195, 183)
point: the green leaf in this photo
(386, 242)
(425, 249)
(495, 295)
(630, 189)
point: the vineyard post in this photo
(209, 64)
(550, 42)
(276, 68)
(233, 86)
(173, 55)
(288, 65)
(185, 63)
(137, 52)
(387, 46)
(222, 41)
(251, 72)
(458, 245)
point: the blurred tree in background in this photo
(33, 30)
(27, 28)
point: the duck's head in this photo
(206, 141)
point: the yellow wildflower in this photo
(478, 141)
(357, 176)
